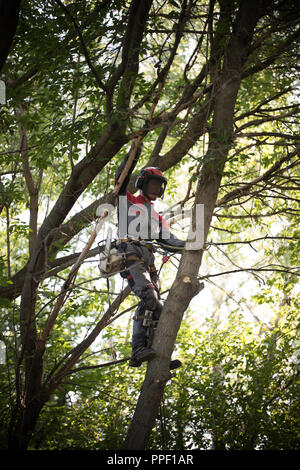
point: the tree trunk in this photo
(24, 420)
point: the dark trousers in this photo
(144, 282)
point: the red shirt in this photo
(142, 219)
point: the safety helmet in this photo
(148, 173)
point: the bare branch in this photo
(245, 189)
(269, 268)
(99, 366)
(290, 42)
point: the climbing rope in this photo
(162, 419)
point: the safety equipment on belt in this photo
(115, 262)
(112, 261)
(148, 173)
(147, 318)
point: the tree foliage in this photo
(211, 89)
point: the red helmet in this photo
(148, 173)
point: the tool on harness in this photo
(150, 324)
(166, 257)
(112, 261)
(147, 320)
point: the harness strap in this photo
(144, 317)
(148, 245)
(132, 257)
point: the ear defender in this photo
(151, 172)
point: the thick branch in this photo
(33, 188)
(128, 68)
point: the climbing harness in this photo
(113, 261)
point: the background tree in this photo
(209, 87)
(9, 14)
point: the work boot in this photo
(141, 355)
(175, 363)
(134, 363)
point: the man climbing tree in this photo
(137, 229)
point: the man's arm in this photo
(125, 183)
(173, 244)
(168, 240)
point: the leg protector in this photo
(139, 333)
(150, 297)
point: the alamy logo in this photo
(2, 352)
(140, 221)
(2, 92)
